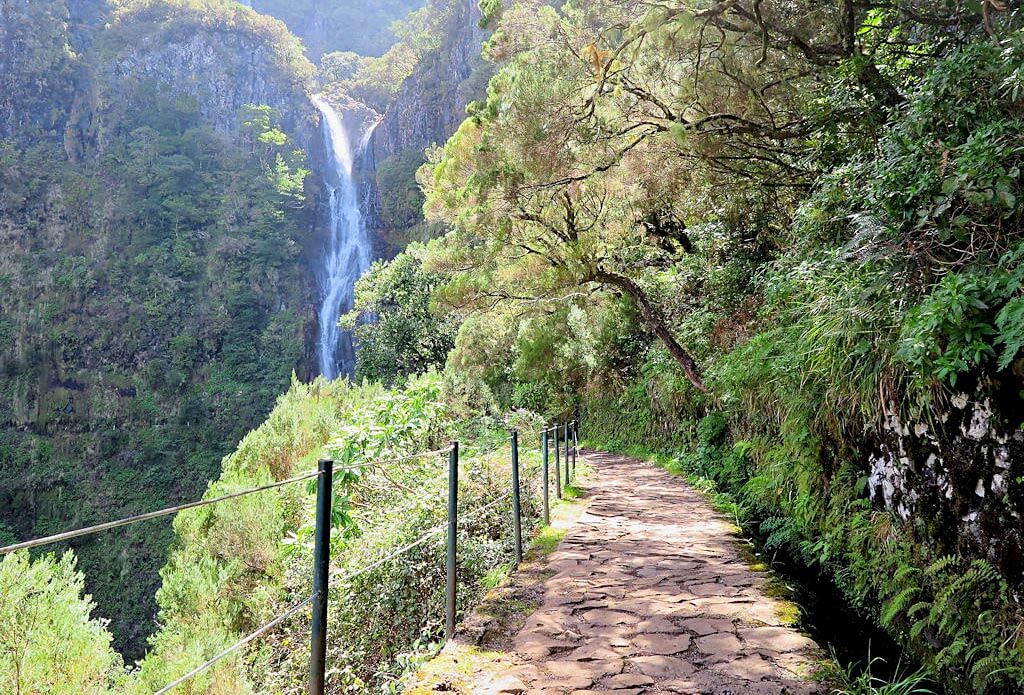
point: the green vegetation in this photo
(396, 331)
(366, 28)
(374, 81)
(48, 642)
(154, 298)
(752, 240)
(237, 564)
(850, 681)
(773, 242)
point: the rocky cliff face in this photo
(427, 110)
(37, 69)
(959, 472)
(175, 54)
(432, 102)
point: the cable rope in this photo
(481, 510)
(387, 462)
(435, 531)
(391, 556)
(97, 528)
(237, 645)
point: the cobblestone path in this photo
(652, 594)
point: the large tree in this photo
(616, 127)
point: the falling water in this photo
(348, 251)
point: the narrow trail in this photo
(649, 592)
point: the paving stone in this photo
(721, 645)
(751, 668)
(657, 624)
(778, 639)
(662, 643)
(628, 680)
(507, 685)
(707, 626)
(661, 667)
(537, 646)
(651, 595)
(593, 652)
(593, 670)
(609, 617)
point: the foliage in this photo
(851, 682)
(155, 302)
(347, 25)
(375, 81)
(396, 331)
(855, 261)
(48, 641)
(236, 566)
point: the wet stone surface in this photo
(650, 593)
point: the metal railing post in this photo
(321, 566)
(453, 529)
(517, 519)
(568, 480)
(545, 476)
(558, 470)
(575, 445)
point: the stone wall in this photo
(956, 477)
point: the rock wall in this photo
(220, 64)
(956, 479)
(427, 110)
(432, 102)
(37, 69)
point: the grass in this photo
(857, 679)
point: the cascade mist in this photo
(348, 251)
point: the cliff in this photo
(427, 110)
(952, 478)
(155, 296)
(432, 102)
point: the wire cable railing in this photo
(321, 575)
(237, 645)
(97, 528)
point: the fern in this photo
(894, 607)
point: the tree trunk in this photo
(654, 320)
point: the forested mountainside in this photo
(155, 298)
(160, 229)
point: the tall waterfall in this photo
(348, 251)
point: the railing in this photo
(322, 539)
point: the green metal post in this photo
(545, 476)
(453, 529)
(575, 446)
(558, 469)
(321, 565)
(567, 478)
(517, 519)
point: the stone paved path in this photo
(651, 594)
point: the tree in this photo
(48, 641)
(397, 332)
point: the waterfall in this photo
(348, 250)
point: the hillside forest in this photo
(774, 246)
